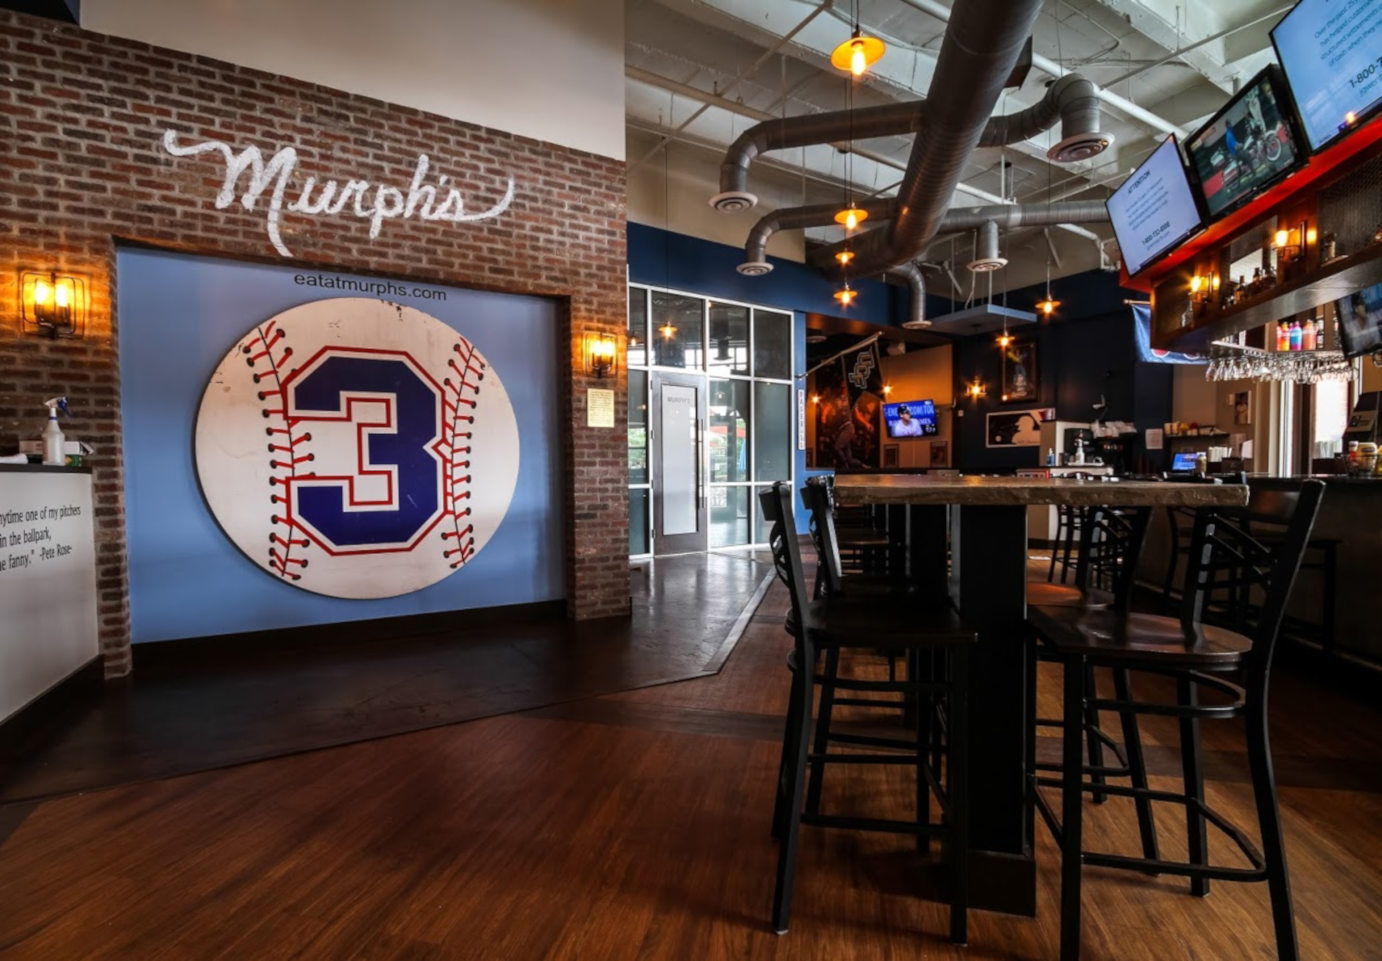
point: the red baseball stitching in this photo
(265, 354)
(458, 420)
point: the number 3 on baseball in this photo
(357, 448)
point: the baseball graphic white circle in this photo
(357, 448)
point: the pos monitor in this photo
(1154, 209)
(1330, 50)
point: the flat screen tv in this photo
(1360, 321)
(1246, 147)
(911, 418)
(1154, 209)
(1334, 70)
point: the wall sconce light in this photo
(976, 389)
(601, 354)
(887, 389)
(1289, 243)
(52, 304)
(815, 398)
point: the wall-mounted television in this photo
(1329, 50)
(1360, 321)
(1154, 209)
(1247, 146)
(910, 418)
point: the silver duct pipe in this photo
(981, 46)
(987, 257)
(1070, 100)
(911, 274)
(1007, 216)
(805, 131)
(796, 218)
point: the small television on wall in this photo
(1335, 76)
(1249, 145)
(910, 418)
(1154, 209)
(1360, 321)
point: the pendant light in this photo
(1048, 306)
(668, 330)
(846, 294)
(859, 52)
(850, 216)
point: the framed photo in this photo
(890, 455)
(1019, 373)
(940, 453)
(1017, 428)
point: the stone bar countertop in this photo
(863, 489)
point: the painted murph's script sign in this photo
(248, 178)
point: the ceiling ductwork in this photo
(796, 218)
(1071, 100)
(910, 274)
(982, 43)
(1006, 216)
(987, 256)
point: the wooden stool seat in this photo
(1138, 640)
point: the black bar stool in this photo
(1226, 554)
(829, 626)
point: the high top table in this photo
(988, 583)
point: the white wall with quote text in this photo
(548, 69)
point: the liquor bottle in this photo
(1256, 279)
(1295, 335)
(1319, 333)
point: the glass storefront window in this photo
(729, 339)
(677, 334)
(638, 427)
(729, 516)
(638, 522)
(772, 344)
(728, 435)
(637, 353)
(772, 427)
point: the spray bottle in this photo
(53, 439)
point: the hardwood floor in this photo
(635, 826)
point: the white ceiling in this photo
(702, 71)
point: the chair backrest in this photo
(829, 568)
(1111, 540)
(1252, 554)
(776, 503)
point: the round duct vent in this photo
(916, 324)
(733, 200)
(814, 338)
(755, 268)
(1080, 146)
(984, 264)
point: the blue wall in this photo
(1088, 350)
(179, 315)
(661, 259)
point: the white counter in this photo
(47, 581)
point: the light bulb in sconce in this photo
(815, 398)
(1282, 237)
(43, 293)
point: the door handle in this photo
(700, 460)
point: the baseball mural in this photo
(357, 448)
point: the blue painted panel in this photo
(179, 315)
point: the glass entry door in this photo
(679, 503)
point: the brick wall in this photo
(82, 118)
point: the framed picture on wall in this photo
(1019, 373)
(890, 455)
(1017, 428)
(940, 453)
